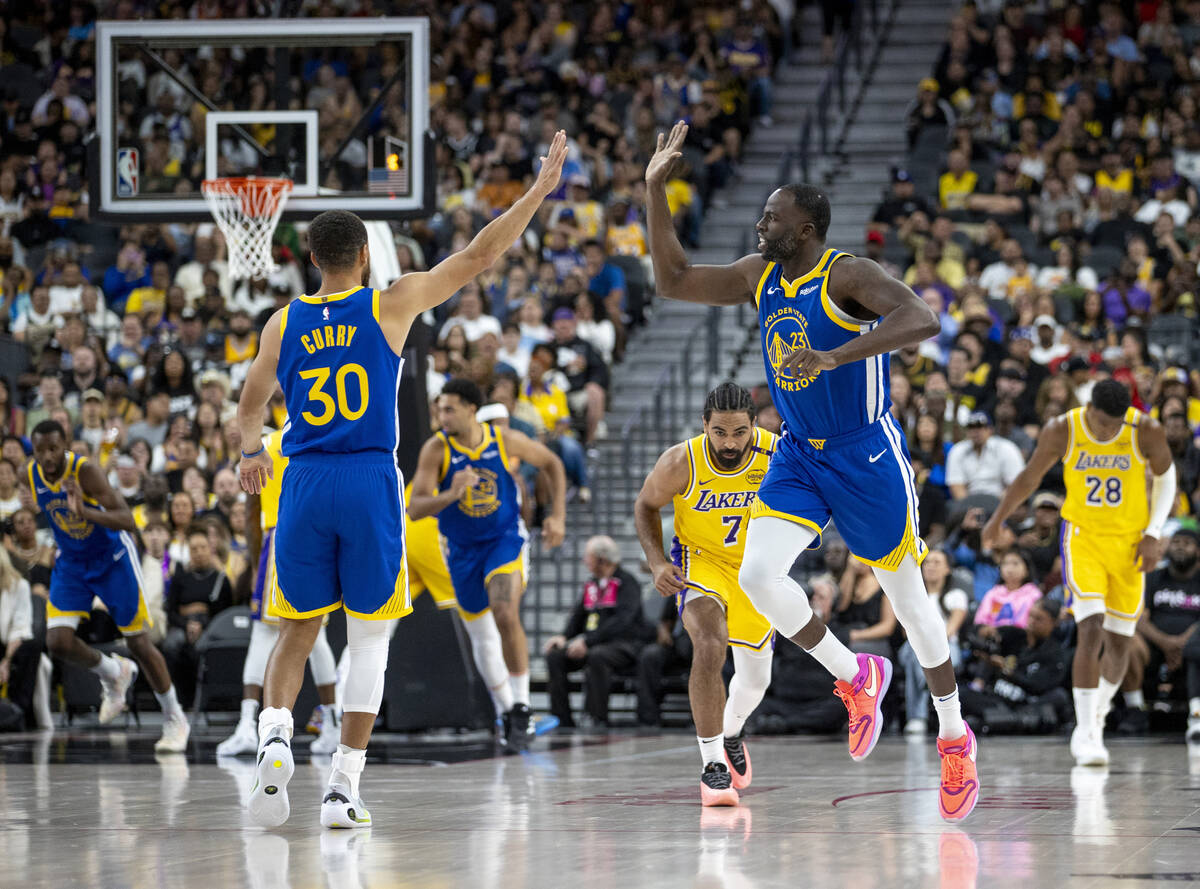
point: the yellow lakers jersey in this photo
(711, 515)
(269, 498)
(1106, 481)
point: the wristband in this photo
(246, 456)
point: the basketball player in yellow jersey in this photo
(713, 480)
(1110, 537)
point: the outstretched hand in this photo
(665, 154)
(552, 165)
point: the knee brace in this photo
(367, 642)
(917, 613)
(772, 546)
(488, 652)
(262, 642)
(751, 676)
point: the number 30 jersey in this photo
(711, 515)
(1106, 481)
(339, 376)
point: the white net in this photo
(247, 211)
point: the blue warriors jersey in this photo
(491, 508)
(78, 540)
(800, 314)
(339, 376)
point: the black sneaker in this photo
(517, 727)
(716, 786)
(739, 760)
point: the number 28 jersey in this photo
(711, 515)
(1106, 481)
(339, 376)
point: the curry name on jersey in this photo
(711, 515)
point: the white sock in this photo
(1194, 707)
(751, 676)
(1104, 696)
(249, 710)
(835, 657)
(348, 763)
(519, 682)
(950, 721)
(1085, 706)
(107, 668)
(275, 721)
(1135, 700)
(170, 703)
(712, 749)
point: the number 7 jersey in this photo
(711, 515)
(339, 375)
(1106, 481)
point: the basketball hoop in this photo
(247, 209)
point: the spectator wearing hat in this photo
(874, 252)
(585, 219)
(93, 417)
(927, 110)
(191, 339)
(1039, 537)
(1047, 348)
(901, 203)
(1167, 645)
(983, 463)
(586, 373)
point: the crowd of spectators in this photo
(136, 339)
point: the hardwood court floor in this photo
(96, 809)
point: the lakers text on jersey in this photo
(92, 561)
(483, 532)
(340, 537)
(841, 456)
(1104, 517)
(710, 534)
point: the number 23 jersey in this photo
(339, 375)
(711, 515)
(1106, 481)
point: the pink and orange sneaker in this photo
(960, 781)
(863, 699)
(737, 757)
(716, 786)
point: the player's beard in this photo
(727, 460)
(781, 249)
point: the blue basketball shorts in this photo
(340, 538)
(863, 480)
(473, 565)
(115, 578)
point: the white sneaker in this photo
(1192, 735)
(341, 809)
(176, 730)
(269, 804)
(243, 740)
(112, 704)
(1091, 751)
(331, 734)
(916, 727)
(1079, 738)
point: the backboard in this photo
(340, 106)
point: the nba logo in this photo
(325, 313)
(127, 172)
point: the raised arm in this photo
(423, 501)
(537, 454)
(861, 286)
(674, 277)
(256, 392)
(669, 477)
(412, 294)
(1051, 447)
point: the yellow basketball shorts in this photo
(1100, 573)
(718, 579)
(427, 571)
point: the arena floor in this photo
(96, 809)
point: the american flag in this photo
(382, 180)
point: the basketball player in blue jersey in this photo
(340, 538)
(829, 322)
(92, 528)
(464, 478)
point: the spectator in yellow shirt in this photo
(958, 183)
(1114, 175)
(154, 297)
